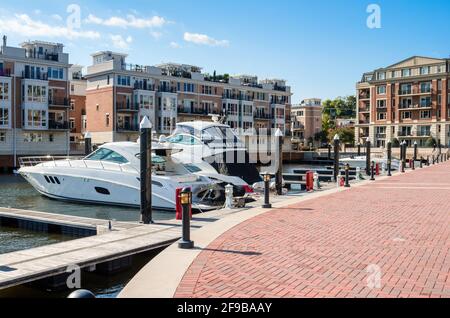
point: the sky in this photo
(320, 47)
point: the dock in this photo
(101, 245)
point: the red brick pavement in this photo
(329, 246)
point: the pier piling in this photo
(186, 201)
(146, 170)
(336, 156)
(368, 156)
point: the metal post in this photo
(413, 165)
(186, 202)
(372, 171)
(279, 173)
(389, 158)
(421, 162)
(267, 204)
(347, 177)
(428, 161)
(404, 157)
(368, 156)
(359, 149)
(329, 152)
(433, 160)
(336, 156)
(415, 151)
(87, 143)
(146, 170)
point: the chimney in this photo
(4, 41)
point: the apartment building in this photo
(34, 105)
(306, 121)
(77, 110)
(408, 100)
(118, 95)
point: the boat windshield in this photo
(184, 140)
(105, 154)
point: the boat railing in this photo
(75, 162)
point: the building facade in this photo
(406, 101)
(306, 121)
(119, 95)
(77, 111)
(34, 101)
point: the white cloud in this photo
(156, 35)
(37, 12)
(204, 39)
(23, 25)
(57, 17)
(130, 21)
(119, 42)
(175, 45)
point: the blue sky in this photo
(320, 47)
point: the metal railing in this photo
(75, 162)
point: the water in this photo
(15, 192)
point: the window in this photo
(381, 116)
(424, 70)
(405, 89)
(36, 118)
(51, 138)
(184, 140)
(425, 101)
(105, 154)
(72, 105)
(381, 76)
(123, 80)
(72, 123)
(425, 114)
(381, 90)
(32, 137)
(4, 91)
(424, 131)
(4, 116)
(55, 73)
(37, 94)
(425, 87)
(406, 72)
(381, 103)
(107, 120)
(2, 136)
(406, 115)
(405, 103)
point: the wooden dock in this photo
(124, 240)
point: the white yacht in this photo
(213, 150)
(111, 175)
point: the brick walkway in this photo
(396, 229)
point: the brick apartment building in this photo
(118, 95)
(408, 101)
(34, 104)
(306, 121)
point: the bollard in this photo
(359, 149)
(309, 181)
(186, 202)
(389, 158)
(267, 204)
(279, 174)
(415, 151)
(316, 181)
(433, 160)
(87, 143)
(228, 196)
(347, 177)
(428, 161)
(329, 151)
(146, 170)
(404, 148)
(383, 167)
(82, 293)
(377, 169)
(338, 180)
(368, 156)
(421, 162)
(402, 166)
(336, 157)
(413, 165)
(372, 171)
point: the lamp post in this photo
(415, 151)
(186, 202)
(267, 204)
(336, 156)
(389, 158)
(279, 173)
(146, 170)
(359, 149)
(368, 156)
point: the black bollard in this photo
(329, 152)
(413, 165)
(372, 171)
(279, 173)
(347, 175)
(82, 293)
(368, 156)
(87, 143)
(389, 159)
(428, 161)
(415, 151)
(186, 202)
(433, 160)
(267, 204)
(336, 157)
(146, 170)
(421, 162)
(359, 149)
(404, 156)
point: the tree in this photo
(395, 143)
(430, 142)
(346, 135)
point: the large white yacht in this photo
(213, 150)
(110, 175)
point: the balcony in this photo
(258, 115)
(415, 91)
(146, 87)
(165, 89)
(58, 125)
(280, 88)
(238, 97)
(127, 107)
(58, 102)
(415, 107)
(127, 127)
(42, 56)
(405, 134)
(41, 76)
(5, 72)
(381, 136)
(364, 96)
